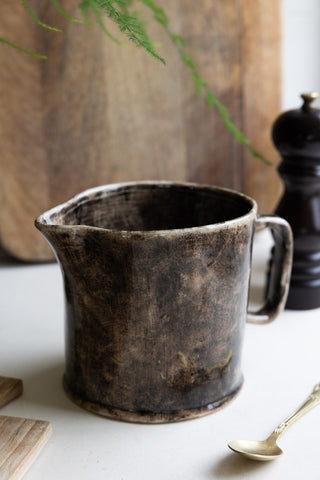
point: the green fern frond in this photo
(22, 49)
(129, 24)
(37, 19)
(85, 6)
(62, 12)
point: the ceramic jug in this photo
(156, 278)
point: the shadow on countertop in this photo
(233, 466)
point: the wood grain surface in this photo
(10, 388)
(96, 112)
(21, 440)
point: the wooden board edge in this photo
(10, 388)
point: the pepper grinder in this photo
(296, 135)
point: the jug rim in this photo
(43, 221)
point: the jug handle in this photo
(278, 279)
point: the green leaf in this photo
(91, 4)
(63, 13)
(129, 24)
(84, 8)
(21, 49)
(36, 18)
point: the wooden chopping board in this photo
(97, 112)
(10, 388)
(21, 439)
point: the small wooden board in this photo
(10, 388)
(21, 440)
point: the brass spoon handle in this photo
(312, 400)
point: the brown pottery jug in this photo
(156, 278)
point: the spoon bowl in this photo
(256, 450)
(268, 449)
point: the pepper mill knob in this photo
(308, 99)
(296, 135)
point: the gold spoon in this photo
(268, 449)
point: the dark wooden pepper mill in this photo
(296, 134)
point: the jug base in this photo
(147, 417)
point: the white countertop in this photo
(281, 364)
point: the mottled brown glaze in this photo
(156, 279)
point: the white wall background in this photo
(300, 50)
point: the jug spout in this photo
(64, 225)
(45, 229)
(50, 231)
